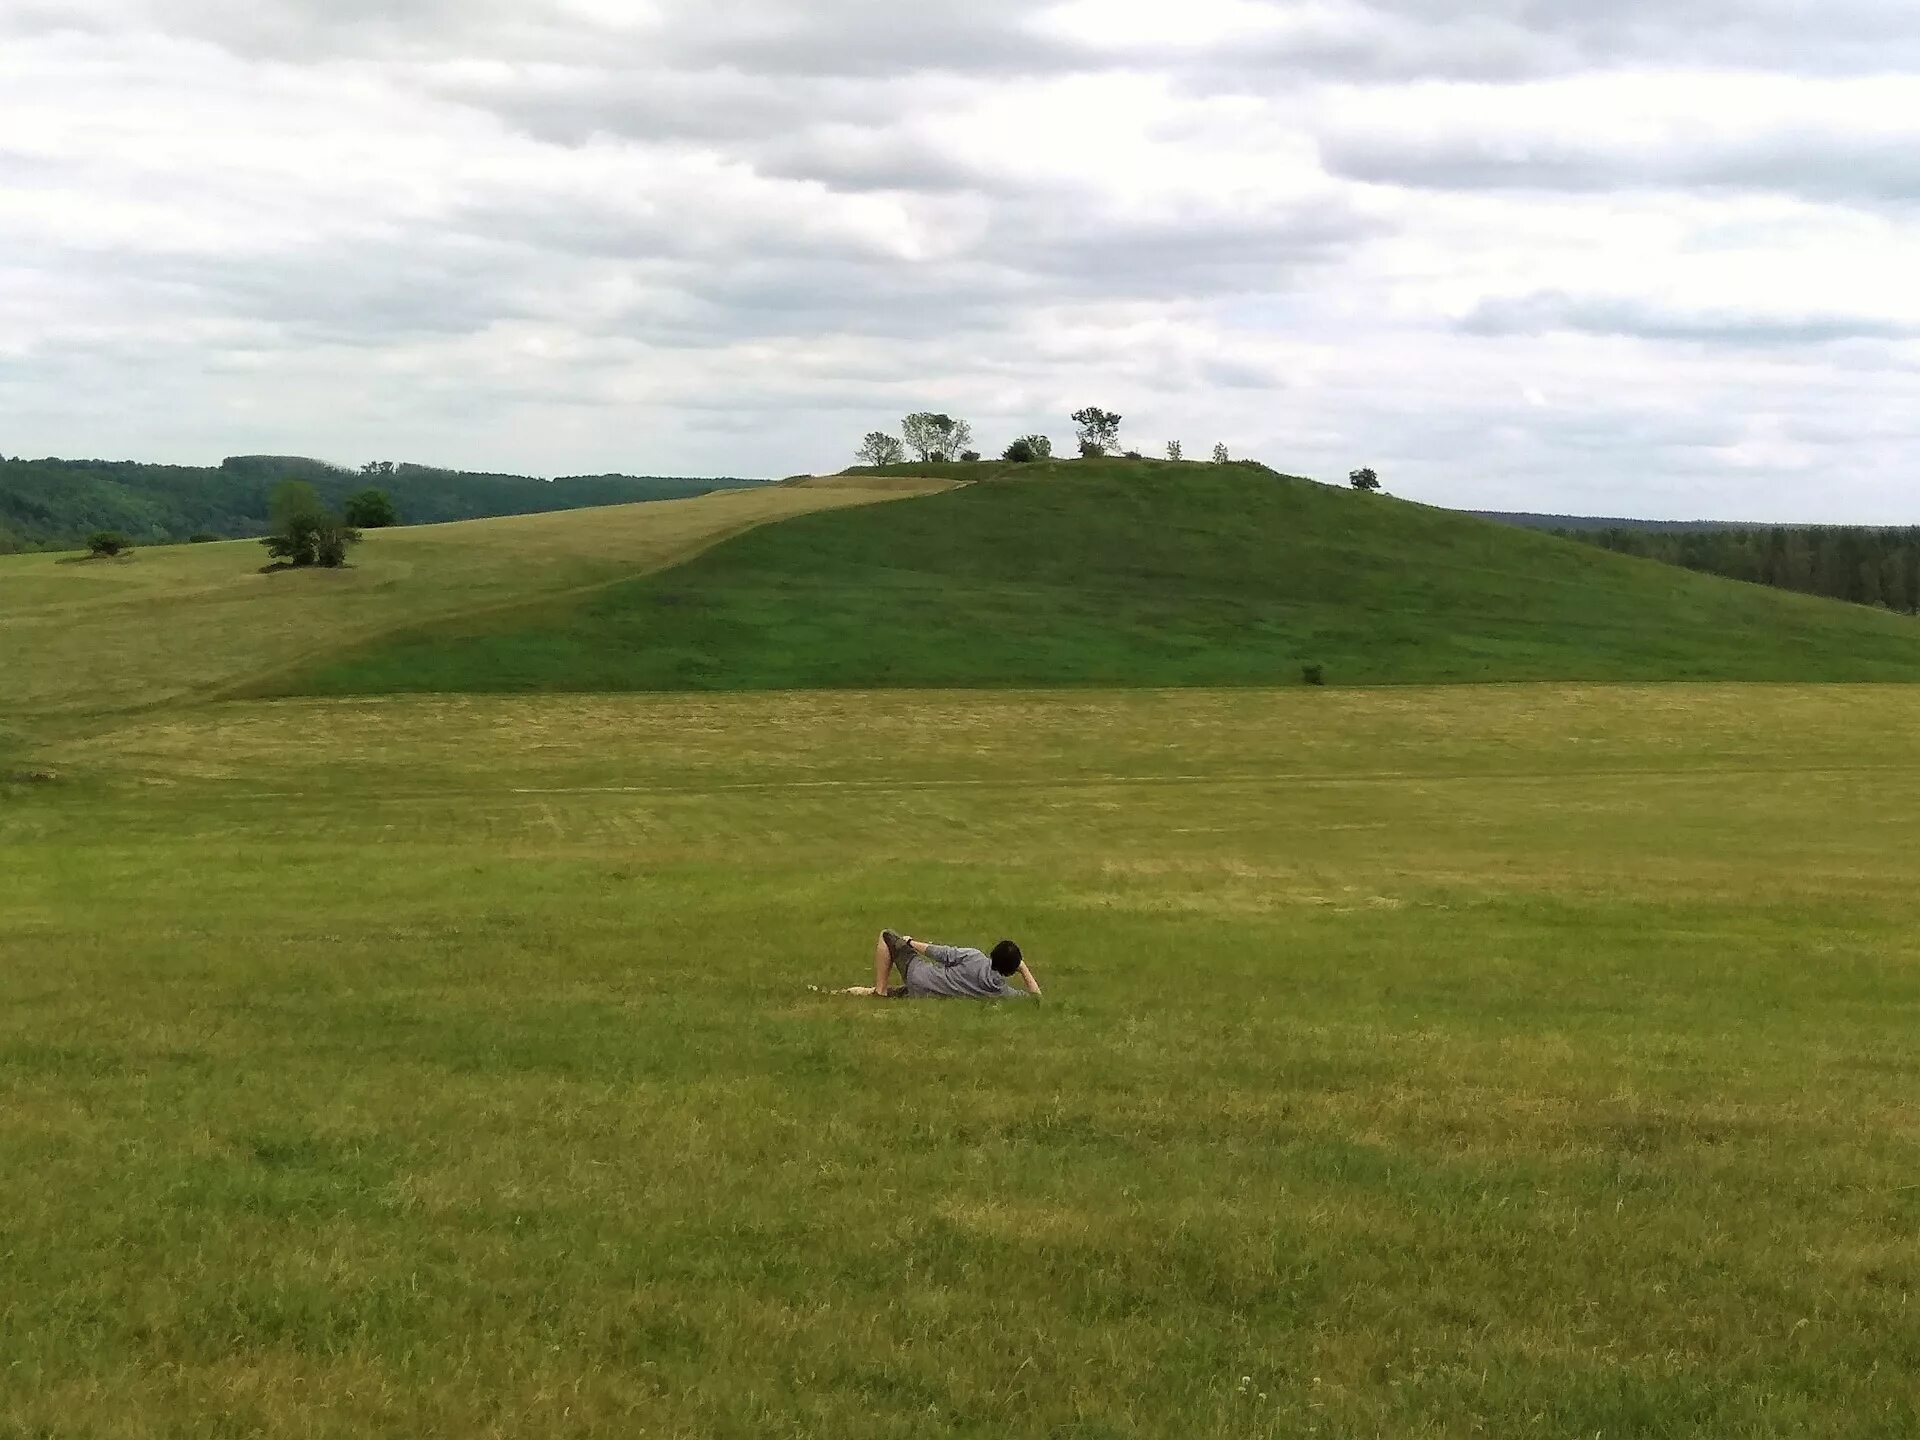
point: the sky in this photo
(1643, 257)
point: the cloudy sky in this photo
(1651, 257)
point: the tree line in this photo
(1861, 564)
(932, 437)
(56, 504)
(935, 438)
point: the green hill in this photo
(48, 503)
(1141, 573)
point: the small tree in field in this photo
(1029, 448)
(370, 509)
(105, 544)
(305, 532)
(880, 448)
(1364, 480)
(1099, 430)
(1173, 450)
(1220, 454)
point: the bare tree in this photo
(1099, 430)
(880, 448)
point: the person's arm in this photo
(939, 954)
(1033, 985)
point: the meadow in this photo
(1504, 1060)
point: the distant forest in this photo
(1864, 565)
(51, 504)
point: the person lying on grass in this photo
(945, 971)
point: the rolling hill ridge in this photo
(1139, 573)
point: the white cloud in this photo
(1639, 257)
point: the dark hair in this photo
(1006, 958)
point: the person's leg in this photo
(882, 964)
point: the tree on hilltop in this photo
(1099, 430)
(1029, 448)
(933, 436)
(880, 448)
(1173, 450)
(1364, 480)
(380, 469)
(1220, 453)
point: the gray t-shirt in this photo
(956, 972)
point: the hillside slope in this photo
(1144, 573)
(49, 502)
(81, 637)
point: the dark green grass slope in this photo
(1146, 573)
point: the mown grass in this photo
(172, 624)
(1510, 1060)
(1140, 574)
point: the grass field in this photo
(1527, 1060)
(185, 622)
(1138, 573)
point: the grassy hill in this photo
(48, 503)
(1141, 573)
(84, 638)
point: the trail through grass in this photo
(1511, 1060)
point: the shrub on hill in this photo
(105, 544)
(305, 532)
(1029, 448)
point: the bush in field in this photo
(1029, 448)
(1313, 674)
(971, 456)
(305, 532)
(1364, 480)
(105, 544)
